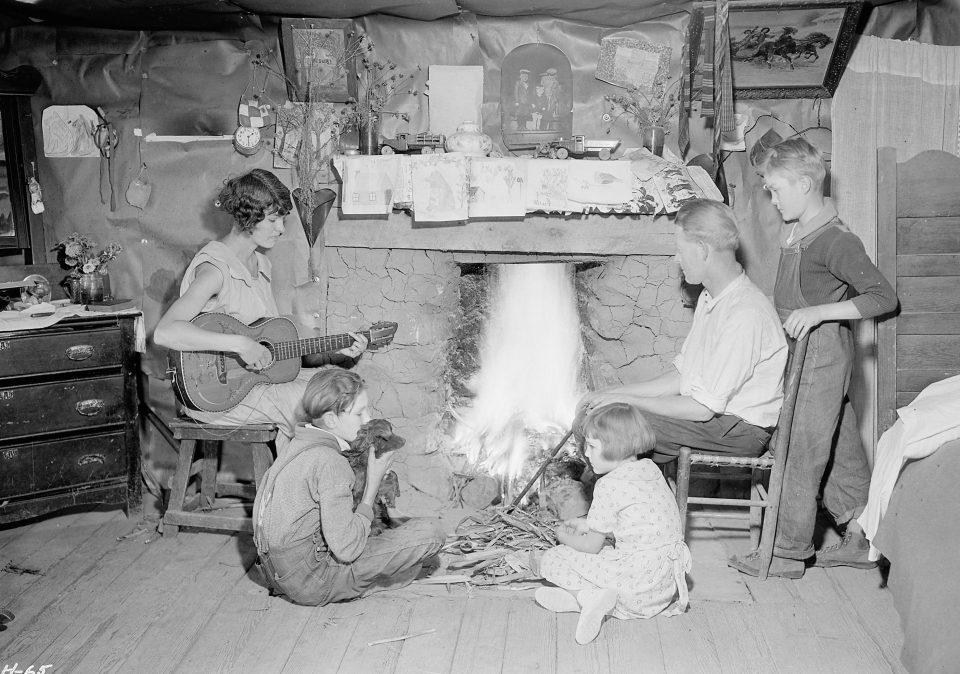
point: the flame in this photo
(529, 379)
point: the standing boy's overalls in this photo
(824, 420)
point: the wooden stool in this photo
(189, 512)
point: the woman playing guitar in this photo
(232, 276)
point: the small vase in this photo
(91, 287)
(370, 137)
(323, 200)
(652, 138)
(470, 140)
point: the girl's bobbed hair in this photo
(622, 430)
(251, 197)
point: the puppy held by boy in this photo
(376, 435)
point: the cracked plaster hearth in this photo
(633, 323)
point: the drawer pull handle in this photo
(80, 352)
(91, 407)
(91, 458)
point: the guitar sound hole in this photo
(221, 368)
(273, 356)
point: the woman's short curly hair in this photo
(251, 197)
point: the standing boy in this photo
(822, 263)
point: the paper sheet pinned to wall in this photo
(456, 93)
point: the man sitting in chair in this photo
(724, 391)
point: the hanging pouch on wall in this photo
(105, 137)
(138, 191)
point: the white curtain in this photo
(893, 94)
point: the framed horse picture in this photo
(790, 48)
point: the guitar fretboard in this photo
(305, 347)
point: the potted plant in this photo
(378, 80)
(89, 278)
(649, 112)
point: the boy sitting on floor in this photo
(314, 547)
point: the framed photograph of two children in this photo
(790, 48)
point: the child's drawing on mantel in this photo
(440, 188)
(496, 188)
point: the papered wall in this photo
(191, 83)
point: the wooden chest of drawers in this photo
(69, 428)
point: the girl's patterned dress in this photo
(647, 564)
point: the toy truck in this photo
(578, 147)
(404, 143)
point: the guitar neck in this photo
(311, 345)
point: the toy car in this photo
(424, 143)
(578, 146)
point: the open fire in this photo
(528, 384)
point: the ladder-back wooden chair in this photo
(918, 250)
(764, 502)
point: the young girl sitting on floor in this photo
(642, 575)
(314, 547)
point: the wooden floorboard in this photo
(114, 597)
(531, 644)
(383, 618)
(140, 598)
(193, 603)
(47, 624)
(36, 558)
(322, 645)
(627, 641)
(687, 643)
(861, 591)
(738, 638)
(483, 634)
(432, 652)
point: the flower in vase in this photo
(78, 253)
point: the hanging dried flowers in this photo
(643, 109)
(379, 79)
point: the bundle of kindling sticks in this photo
(491, 546)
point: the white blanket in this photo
(931, 420)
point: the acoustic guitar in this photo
(216, 381)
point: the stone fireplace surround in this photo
(633, 322)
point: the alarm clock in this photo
(246, 140)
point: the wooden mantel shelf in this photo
(553, 234)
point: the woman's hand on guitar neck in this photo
(357, 348)
(254, 354)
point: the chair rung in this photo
(746, 503)
(716, 515)
(763, 462)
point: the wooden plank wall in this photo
(919, 252)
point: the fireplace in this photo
(624, 321)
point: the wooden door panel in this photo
(917, 380)
(919, 236)
(934, 293)
(928, 352)
(928, 265)
(928, 324)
